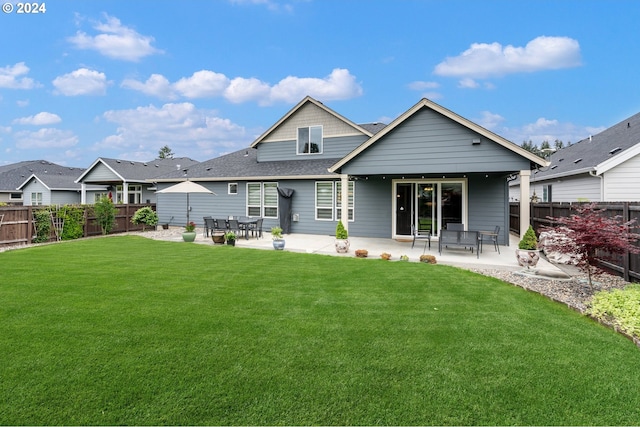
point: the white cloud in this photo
(157, 85)
(202, 84)
(484, 60)
(10, 77)
(489, 120)
(189, 131)
(41, 119)
(340, 84)
(45, 138)
(81, 82)
(115, 41)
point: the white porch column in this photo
(83, 193)
(125, 193)
(344, 201)
(525, 214)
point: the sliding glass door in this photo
(428, 205)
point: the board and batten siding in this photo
(622, 183)
(332, 148)
(429, 142)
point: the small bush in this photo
(145, 216)
(341, 232)
(620, 307)
(73, 222)
(529, 240)
(429, 259)
(362, 253)
(385, 256)
(42, 219)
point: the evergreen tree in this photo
(165, 153)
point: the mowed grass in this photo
(127, 330)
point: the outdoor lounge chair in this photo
(209, 226)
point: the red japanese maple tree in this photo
(591, 236)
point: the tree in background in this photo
(165, 153)
(105, 213)
(590, 236)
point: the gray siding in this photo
(487, 205)
(100, 173)
(36, 186)
(65, 197)
(428, 142)
(333, 148)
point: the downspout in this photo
(595, 175)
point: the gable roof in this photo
(131, 171)
(13, 176)
(243, 165)
(598, 153)
(425, 103)
(305, 101)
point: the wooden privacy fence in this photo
(627, 265)
(17, 225)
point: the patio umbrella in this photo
(187, 187)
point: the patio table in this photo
(245, 222)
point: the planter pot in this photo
(189, 236)
(527, 257)
(218, 237)
(278, 244)
(231, 242)
(165, 226)
(342, 246)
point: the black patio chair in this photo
(421, 235)
(209, 226)
(491, 237)
(256, 228)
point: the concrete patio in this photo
(459, 257)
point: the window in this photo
(98, 196)
(310, 140)
(546, 193)
(329, 200)
(339, 200)
(262, 199)
(15, 196)
(134, 194)
(232, 188)
(36, 199)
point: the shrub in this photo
(73, 216)
(429, 259)
(341, 232)
(529, 240)
(620, 307)
(145, 216)
(385, 256)
(42, 223)
(276, 233)
(362, 253)
(105, 213)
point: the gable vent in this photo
(577, 160)
(615, 150)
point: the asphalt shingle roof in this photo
(53, 175)
(589, 152)
(244, 163)
(141, 171)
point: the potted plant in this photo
(276, 236)
(189, 233)
(527, 253)
(342, 238)
(230, 236)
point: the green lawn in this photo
(127, 330)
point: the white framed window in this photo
(36, 199)
(232, 188)
(134, 194)
(310, 140)
(15, 196)
(546, 193)
(262, 199)
(329, 200)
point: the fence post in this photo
(626, 264)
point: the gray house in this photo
(126, 181)
(601, 168)
(427, 168)
(39, 182)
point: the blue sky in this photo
(121, 78)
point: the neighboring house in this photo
(604, 167)
(126, 181)
(39, 182)
(427, 168)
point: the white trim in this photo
(614, 161)
(439, 181)
(229, 192)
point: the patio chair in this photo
(233, 225)
(256, 228)
(220, 224)
(492, 237)
(421, 235)
(209, 226)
